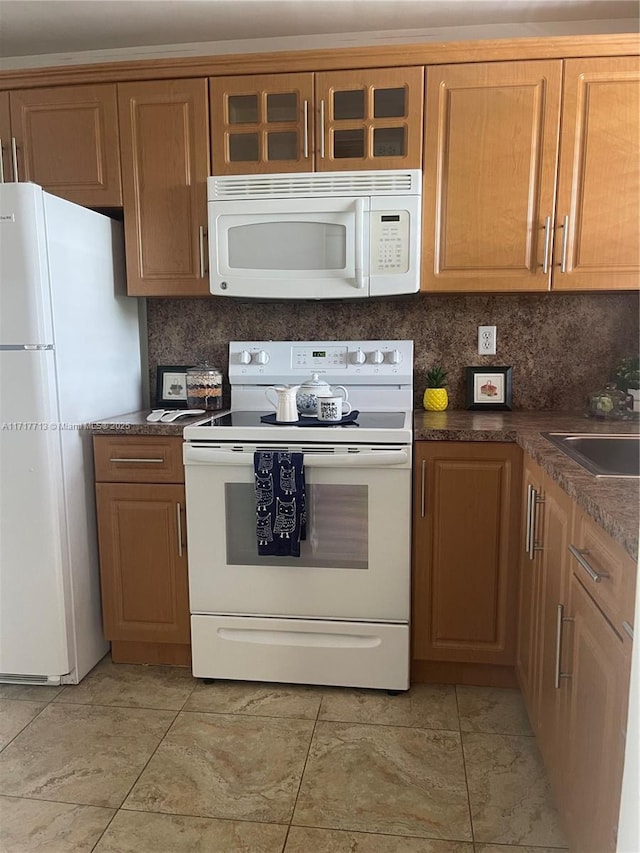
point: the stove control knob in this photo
(394, 357)
(359, 357)
(261, 357)
(377, 357)
(245, 357)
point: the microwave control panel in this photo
(389, 242)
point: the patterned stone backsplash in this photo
(561, 346)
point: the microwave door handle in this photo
(359, 258)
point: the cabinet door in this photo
(6, 171)
(465, 544)
(143, 562)
(165, 164)
(597, 242)
(599, 670)
(67, 141)
(530, 571)
(550, 685)
(370, 119)
(261, 124)
(491, 145)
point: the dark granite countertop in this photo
(613, 503)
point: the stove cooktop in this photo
(245, 426)
(365, 420)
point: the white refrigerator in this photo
(70, 353)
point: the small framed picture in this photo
(488, 388)
(171, 386)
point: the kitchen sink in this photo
(613, 455)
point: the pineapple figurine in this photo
(435, 397)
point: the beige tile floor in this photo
(149, 760)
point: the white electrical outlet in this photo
(486, 340)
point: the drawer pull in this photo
(422, 486)
(135, 460)
(547, 245)
(628, 630)
(14, 159)
(179, 520)
(595, 576)
(533, 500)
(560, 618)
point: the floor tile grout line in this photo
(146, 764)
(24, 728)
(304, 768)
(464, 767)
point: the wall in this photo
(561, 346)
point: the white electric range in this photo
(339, 612)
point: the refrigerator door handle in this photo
(29, 347)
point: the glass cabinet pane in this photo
(243, 109)
(389, 142)
(389, 103)
(282, 146)
(348, 143)
(282, 106)
(243, 147)
(348, 105)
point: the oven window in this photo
(287, 246)
(337, 528)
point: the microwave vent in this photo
(315, 184)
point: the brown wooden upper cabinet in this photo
(164, 136)
(65, 139)
(493, 136)
(491, 148)
(328, 121)
(597, 243)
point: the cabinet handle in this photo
(202, 257)
(628, 630)
(529, 531)
(305, 109)
(423, 466)
(179, 520)
(533, 499)
(14, 158)
(560, 618)
(1, 165)
(565, 242)
(133, 459)
(547, 245)
(595, 576)
(322, 128)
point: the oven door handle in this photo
(364, 459)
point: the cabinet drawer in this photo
(138, 459)
(606, 571)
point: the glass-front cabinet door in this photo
(262, 123)
(369, 119)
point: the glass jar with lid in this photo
(204, 387)
(607, 402)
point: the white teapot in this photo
(308, 393)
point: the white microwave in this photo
(315, 235)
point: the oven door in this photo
(355, 561)
(289, 248)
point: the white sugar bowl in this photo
(308, 393)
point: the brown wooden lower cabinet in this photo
(573, 662)
(465, 539)
(143, 556)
